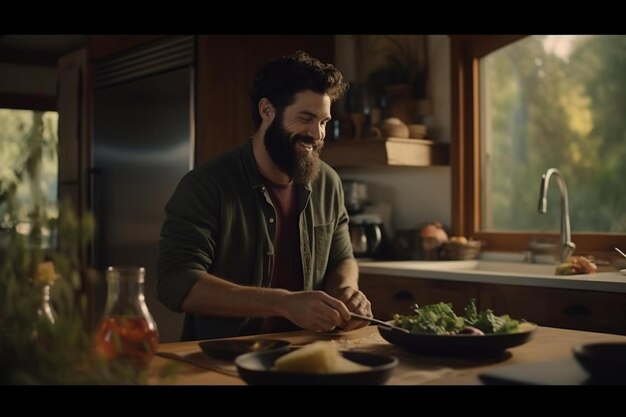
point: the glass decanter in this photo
(45, 311)
(127, 330)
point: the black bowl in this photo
(603, 361)
(256, 369)
(229, 349)
(458, 345)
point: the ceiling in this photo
(38, 49)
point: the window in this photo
(28, 168)
(523, 105)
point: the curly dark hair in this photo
(281, 79)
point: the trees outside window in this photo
(526, 104)
(28, 169)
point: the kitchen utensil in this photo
(621, 253)
(379, 322)
(256, 368)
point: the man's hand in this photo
(316, 310)
(356, 302)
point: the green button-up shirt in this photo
(220, 220)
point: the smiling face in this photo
(295, 137)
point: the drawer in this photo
(587, 310)
(391, 295)
(570, 309)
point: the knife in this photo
(380, 322)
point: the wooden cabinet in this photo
(391, 294)
(595, 311)
(385, 152)
(226, 65)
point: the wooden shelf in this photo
(385, 152)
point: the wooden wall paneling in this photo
(226, 65)
(101, 46)
(74, 150)
(70, 87)
(28, 102)
(73, 104)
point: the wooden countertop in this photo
(546, 345)
(451, 271)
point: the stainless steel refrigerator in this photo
(143, 143)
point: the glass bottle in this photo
(45, 311)
(127, 330)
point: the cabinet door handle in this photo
(577, 310)
(403, 296)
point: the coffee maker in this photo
(366, 230)
(366, 235)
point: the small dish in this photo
(229, 349)
(603, 361)
(257, 369)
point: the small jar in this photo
(127, 331)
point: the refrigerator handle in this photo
(95, 205)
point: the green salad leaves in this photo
(440, 319)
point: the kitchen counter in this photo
(492, 272)
(548, 345)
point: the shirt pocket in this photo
(323, 236)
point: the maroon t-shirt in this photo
(287, 272)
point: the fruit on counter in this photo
(461, 240)
(317, 358)
(433, 235)
(577, 265)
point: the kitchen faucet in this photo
(567, 246)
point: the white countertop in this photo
(493, 272)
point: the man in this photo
(257, 239)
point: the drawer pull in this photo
(403, 296)
(577, 310)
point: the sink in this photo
(515, 268)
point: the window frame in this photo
(466, 52)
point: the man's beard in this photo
(304, 166)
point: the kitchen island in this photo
(549, 345)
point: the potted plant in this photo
(401, 79)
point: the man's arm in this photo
(344, 274)
(343, 283)
(313, 310)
